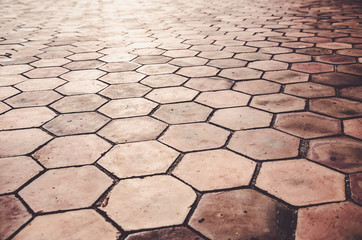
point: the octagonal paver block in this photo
(33, 99)
(307, 125)
(81, 87)
(353, 127)
(336, 107)
(331, 221)
(199, 71)
(309, 90)
(240, 73)
(164, 80)
(264, 144)
(66, 188)
(126, 90)
(19, 142)
(76, 123)
(172, 94)
(127, 107)
(300, 182)
(138, 159)
(241, 118)
(278, 102)
(25, 118)
(83, 224)
(340, 153)
(286, 76)
(195, 136)
(220, 99)
(154, 69)
(13, 215)
(149, 202)
(257, 87)
(81, 103)
(132, 129)
(16, 171)
(182, 113)
(71, 151)
(241, 214)
(174, 233)
(215, 169)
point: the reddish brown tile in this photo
(356, 187)
(336, 107)
(353, 127)
(174, 233)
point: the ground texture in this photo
(174, 120)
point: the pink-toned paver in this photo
(158, 119)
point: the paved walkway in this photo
(180, 120)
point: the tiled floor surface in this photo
(175, 120)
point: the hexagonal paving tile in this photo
(309, 90)
(341, 153)
(307, 125)
(215, 169)
(130, 107)
(240, 73)
(199, 71)
(278, 102)
(25, 118)
(300, 182)
(336, 79)
(138, 159)
(221, 99)
(83, 65)
(81, 87)
(241, 118)
(227, 63)
(195, 136)
(351, 68)
(241, 214)
(8, 80)
(40, 84)
(19, 142)
(122, 77)
(16, 171)
(356, 187)
(334, 45)
(87, 122)
(82, 75)
(154, 69)
(182, 113)
(125, 90)
(46, 72)
(119, 66)
(335, 59)
(6, 92)
(257, 87)
(331, 221)
(149, 202)
(353, 127)
(82, 224)
(66, 188)
(151, 59)
(264, 144)
(132, 129)
(268, 65)
(50, 62)
(33, 99)
(71, 151)
(286, 76)
(209, 84)
(81, 103)
(14, 69)
(253, 56)
(174, 233)
(312, 67)
(13, 215)
(351, 92)
(336, 107)
(165, 80)
(172, 94)
(292, 57)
